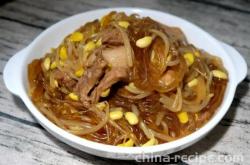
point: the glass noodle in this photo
(127, 81)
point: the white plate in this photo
(15, 78)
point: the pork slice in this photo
(60, 75)
(116, 57)
(111, 36)
(89, 80)
(64, 78)
(175, 34)
(111, 77)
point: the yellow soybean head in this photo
(53, 65)
(89, 46)
(129, 143)
(219, 74)
(63, 53)
(105, 93)
(192, 83)
(79, 72)
(197, 53)
(101, 105)
(46, 63)
(144, 42)
(55, 83)
(189, 57)
(150, 142)
(98, 42)
(131, 118)
(124, 24)
(73, 96)
(116, 114)
(183, 117)
(76, 37)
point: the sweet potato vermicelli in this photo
(127, 81)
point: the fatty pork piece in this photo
(100, 77)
